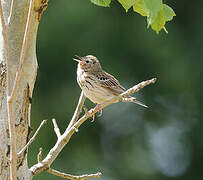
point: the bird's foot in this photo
(100, 113)
(87, 113)
(94, 110)
(97, 108)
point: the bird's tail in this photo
(134, 100)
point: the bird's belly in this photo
(97, 95)
(93, 90)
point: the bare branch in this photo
(137, 87)
(72, 177)
(78, 109)
(32, 138)
(65, 137)
(22, 54)
(56, 129)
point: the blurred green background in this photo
(128, 142)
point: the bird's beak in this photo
(79, 60)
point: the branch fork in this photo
(75, 123)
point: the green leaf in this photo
(165, 14)
(158, 22)
(156, 12)
(154, 6)
(127, 4)
(140, 8)
(104, 3)
(168, 12)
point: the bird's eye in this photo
(87, 61)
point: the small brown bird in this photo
(98, 85)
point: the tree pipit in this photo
(98, 85)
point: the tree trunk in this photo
(22, 102)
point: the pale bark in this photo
(15, 26)
(18, 50)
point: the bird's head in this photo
(88, 63)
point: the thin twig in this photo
(65, 137)
(11, 12)
(137, 87)
(11, 122)
(78, 109)
(73, 177)
(56, 129)
(22, 54)
(32, 138)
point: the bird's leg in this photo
(97, 109)
(100, 111)
(93, 110)
(93, 118)
(88, 114)
(86, 110)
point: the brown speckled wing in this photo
(110, 83)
